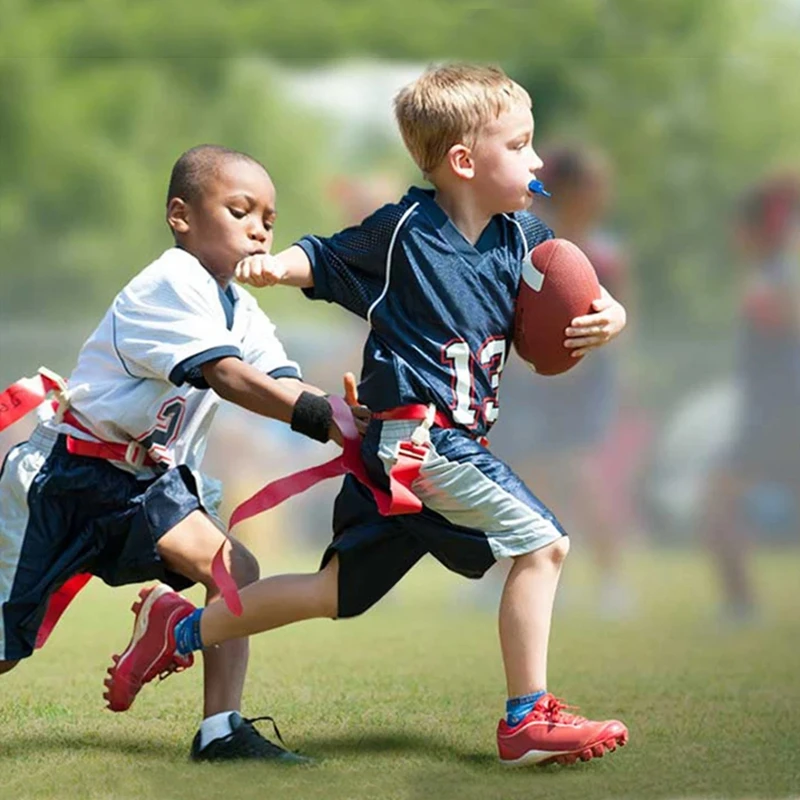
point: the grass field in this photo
(403, 703)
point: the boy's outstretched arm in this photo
(593, 330)
(285, 399)
(290, 267)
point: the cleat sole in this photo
(539, 758)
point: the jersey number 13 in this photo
(491, 357)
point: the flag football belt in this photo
(21, 398)
(400, 499)
(27, 394)
(421, 412)
(133, 453)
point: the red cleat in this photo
(548, 735)
(151, 650)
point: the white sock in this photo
(215, 727)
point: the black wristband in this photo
(312, 416)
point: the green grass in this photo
(403, 702)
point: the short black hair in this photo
(197, 166)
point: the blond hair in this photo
(450, 104)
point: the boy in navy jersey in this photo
(436, 276)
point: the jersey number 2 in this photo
(168, 425)
(491, 357)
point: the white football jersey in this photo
(138, 376)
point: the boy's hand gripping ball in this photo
(558, 284)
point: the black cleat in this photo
(245, 742)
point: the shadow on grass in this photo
(16, 746)
(318, 749)
(394, 744)
(400, 744)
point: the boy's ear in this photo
(459, 157)
(178, 215)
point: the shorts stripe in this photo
(470, 487)
(22, 465)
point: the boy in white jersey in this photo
(109, 485)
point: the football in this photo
(558, 284)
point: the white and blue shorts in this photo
(62, 514)
(476, 510)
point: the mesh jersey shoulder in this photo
(350, 266)
(534, 231)
(367, 244)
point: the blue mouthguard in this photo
(537, 187)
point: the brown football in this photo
(558, 284)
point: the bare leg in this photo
(575, 483)
(545, 733)
(274, 602)
(598, 522)
(729, 548)
(189, 549)
(526, 608)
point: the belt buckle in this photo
(422, 433)
(60, 391)
(135, 454)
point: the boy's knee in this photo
(244, 565)
(7, 666)
(558, 550)
(555, 552)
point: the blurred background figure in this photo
(564, 434)
(752, 490)
(356, 196)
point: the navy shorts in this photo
(62, 514)
(475, 511)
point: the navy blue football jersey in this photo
(441, 309)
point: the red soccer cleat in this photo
(151, 650)
(548, 735)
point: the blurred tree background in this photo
(691, 98)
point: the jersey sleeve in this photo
(167, 332)
(533, 230)
(349, 268)
(261, 346)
